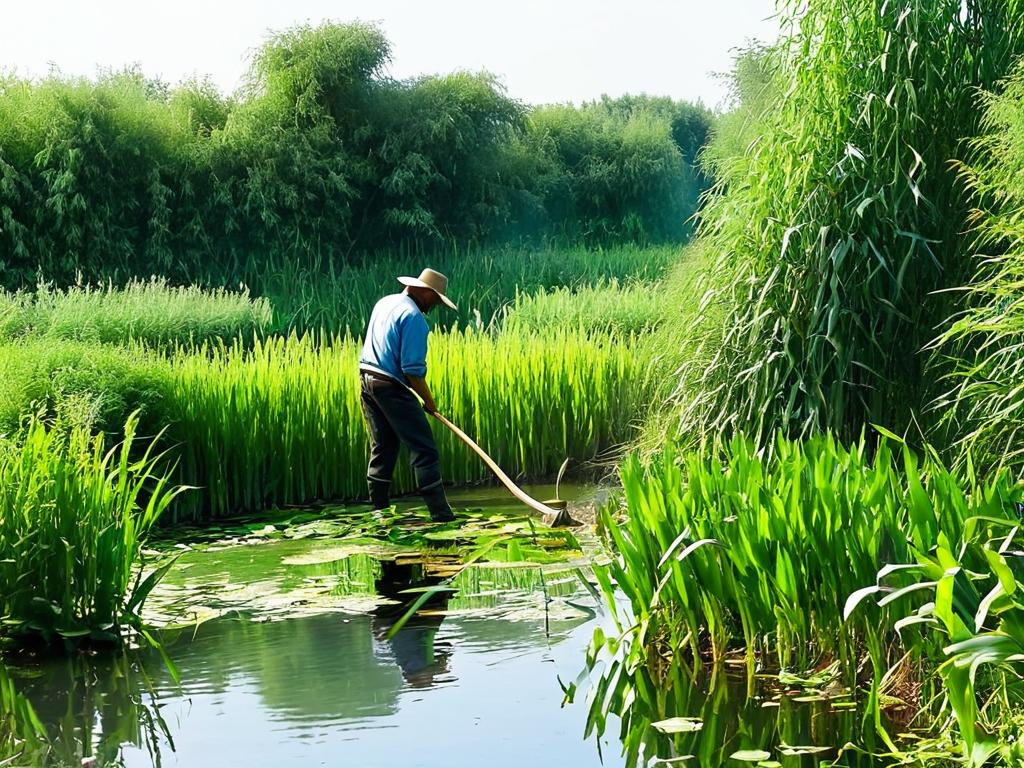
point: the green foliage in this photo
(836, 227)
(690, 124)
(281, 423)
(321, 157)
(483, 282)
(22, 736)
(967, 591)
(763, 552)
(618, 308)
(90, 385)
(754, 91)
(983, 408)
(73, 516)
(621, 179)
(152, 313)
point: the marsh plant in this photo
(73, 516)
(727, 551)
(840, 221)
(281, 422)
(982, 345)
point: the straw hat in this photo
(433, 280)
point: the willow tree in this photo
(839, 223)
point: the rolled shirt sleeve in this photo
(414, 345)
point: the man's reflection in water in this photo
(420, 659)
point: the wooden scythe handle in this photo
(514, 489)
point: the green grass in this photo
(87, 384)
(482, 282)
(281, 423)
(73, 516)
(620, 308)
(153, 313)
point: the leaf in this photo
(802, 750)
(751, 755)
(679, 725)
(855, 599)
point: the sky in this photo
(543, 50)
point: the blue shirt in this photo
(396, 339)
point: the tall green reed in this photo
(839, 223)
(73, 517)
(981, 346)
(281, 423)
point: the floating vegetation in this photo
(293, 563)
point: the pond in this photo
(284, 657)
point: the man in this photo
(394, 359)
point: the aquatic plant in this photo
(22, 735)
(761, 552)
(840, 222)
(73, 516)
(966, 589)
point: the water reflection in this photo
(422, 661)
(312, 688)
(726, 712)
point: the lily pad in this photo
(679, 725)
(751, 755)
(802, 750)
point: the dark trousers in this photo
(394, 416)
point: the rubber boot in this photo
(379, 497)
(437, 503)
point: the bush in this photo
(320, 159)
(89, 385)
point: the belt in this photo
(378, 376)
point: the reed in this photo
(73, 516)
(839, 223)
(483, 282)
(980, 346)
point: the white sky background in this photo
(543, 50)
